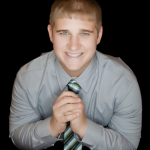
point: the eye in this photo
(85, 34)
(64, 33)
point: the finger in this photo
(68, 113)
(66, 93)
(68, 100)
(69, 107)
(72, 111)
(70, 117)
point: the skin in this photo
(71, 36)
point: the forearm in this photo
(124, 128)
(26, 128)
(99, 138)
(34, 136)
(53, 130)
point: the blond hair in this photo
(76, 9)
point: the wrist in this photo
(53, 131)
(83, 130)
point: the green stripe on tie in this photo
(70, 143)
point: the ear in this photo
(49, 28)
(100, 35)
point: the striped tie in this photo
(70, 143)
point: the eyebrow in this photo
(83, 30)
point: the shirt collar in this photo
(87, 75)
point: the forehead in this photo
(74, 23)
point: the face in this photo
(74, 42)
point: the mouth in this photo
(74, 55)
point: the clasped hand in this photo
(65, 109)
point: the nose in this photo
(74, 43)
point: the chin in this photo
(73, 68)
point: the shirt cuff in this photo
(91, 136)
(43, 133)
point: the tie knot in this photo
(74, 86)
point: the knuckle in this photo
(65, 119)
(77, 98)
(77, 105)
(53, 107)
(66, 107)
(64, 92)
(81, 105)
(75, 115)
(65, 98)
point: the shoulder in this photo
(115, 66)
(118, 80)
(35, 68)
(38, 63)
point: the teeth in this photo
(74, 55)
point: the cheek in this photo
(59, 43)
(89, 44)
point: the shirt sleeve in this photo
(123, 131)
(26, 129)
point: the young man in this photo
(109, 96)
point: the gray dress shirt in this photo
(110, 93)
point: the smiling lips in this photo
(74, 55)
